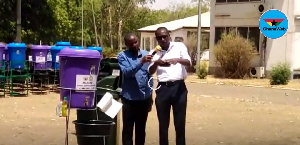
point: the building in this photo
(244, 15)
(179, 29)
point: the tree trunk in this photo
(120, 34)
(94, 20)
(110, 29)
(102, 29)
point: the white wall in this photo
(297, 46)
(144, 36)
(205, 55)
(224, 15)
(281, 49)
(297, 7)
(247, 14)
(179, 33)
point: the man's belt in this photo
(170, 83)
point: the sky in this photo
(162, 4)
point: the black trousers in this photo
(135, 114)
(174, 95)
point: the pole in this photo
(94, 21)
(19, 26)
(82, 23)
(199, 32)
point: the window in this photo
(192, 34)
(254, 34)
(178, 39)
(218, 33)
(147, 43)
(250, 33)
(154, 42)
(204, 39)
(232, 1)
(243, 31)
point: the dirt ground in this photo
(265, 82)
(211, 120)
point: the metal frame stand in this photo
(3, 77)
(41, 75)
(69, 108)
(54, 74)
(68, 117)
(21, 74)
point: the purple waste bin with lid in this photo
(78, 76)
(6, 54)
(2, 47)
(39, 56)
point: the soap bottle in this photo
(64, 107)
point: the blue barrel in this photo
(55, 59)
(61, 43)
(76, 47)
(17, 55)
(95, 48)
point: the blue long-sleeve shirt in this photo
(136, 76)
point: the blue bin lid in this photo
(85, 53)
(16, 45)
(2, 45)
(61, 43)
(58, 47)
(95, 48)
(40, 47)
(76, 47)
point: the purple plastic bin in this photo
(78, 76)
(49, 59)
(6, 54)
(39, 56)
(2, 47)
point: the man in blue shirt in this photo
(136, 94)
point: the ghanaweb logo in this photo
(273, 24)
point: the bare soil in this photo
(293, 84)
(211, 120)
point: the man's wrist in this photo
(140, 64)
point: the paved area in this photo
(217, 114)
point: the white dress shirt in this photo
(173, 72)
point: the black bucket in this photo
(93, 132)
(86, 114)
(92, 140)
(93, 127)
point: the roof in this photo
(189, 22)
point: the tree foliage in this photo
(50, 21)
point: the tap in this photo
(86, 101)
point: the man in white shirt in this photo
(169, 65)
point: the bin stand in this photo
(119, 126)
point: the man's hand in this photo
(184, 62)
(146, 58)
(173, 60)
(161, 63)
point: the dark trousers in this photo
(135, 114)
(174, 95)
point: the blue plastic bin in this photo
(17, 55)
(55, 59)
(96, 48)
(61, 43)
(76, 47)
